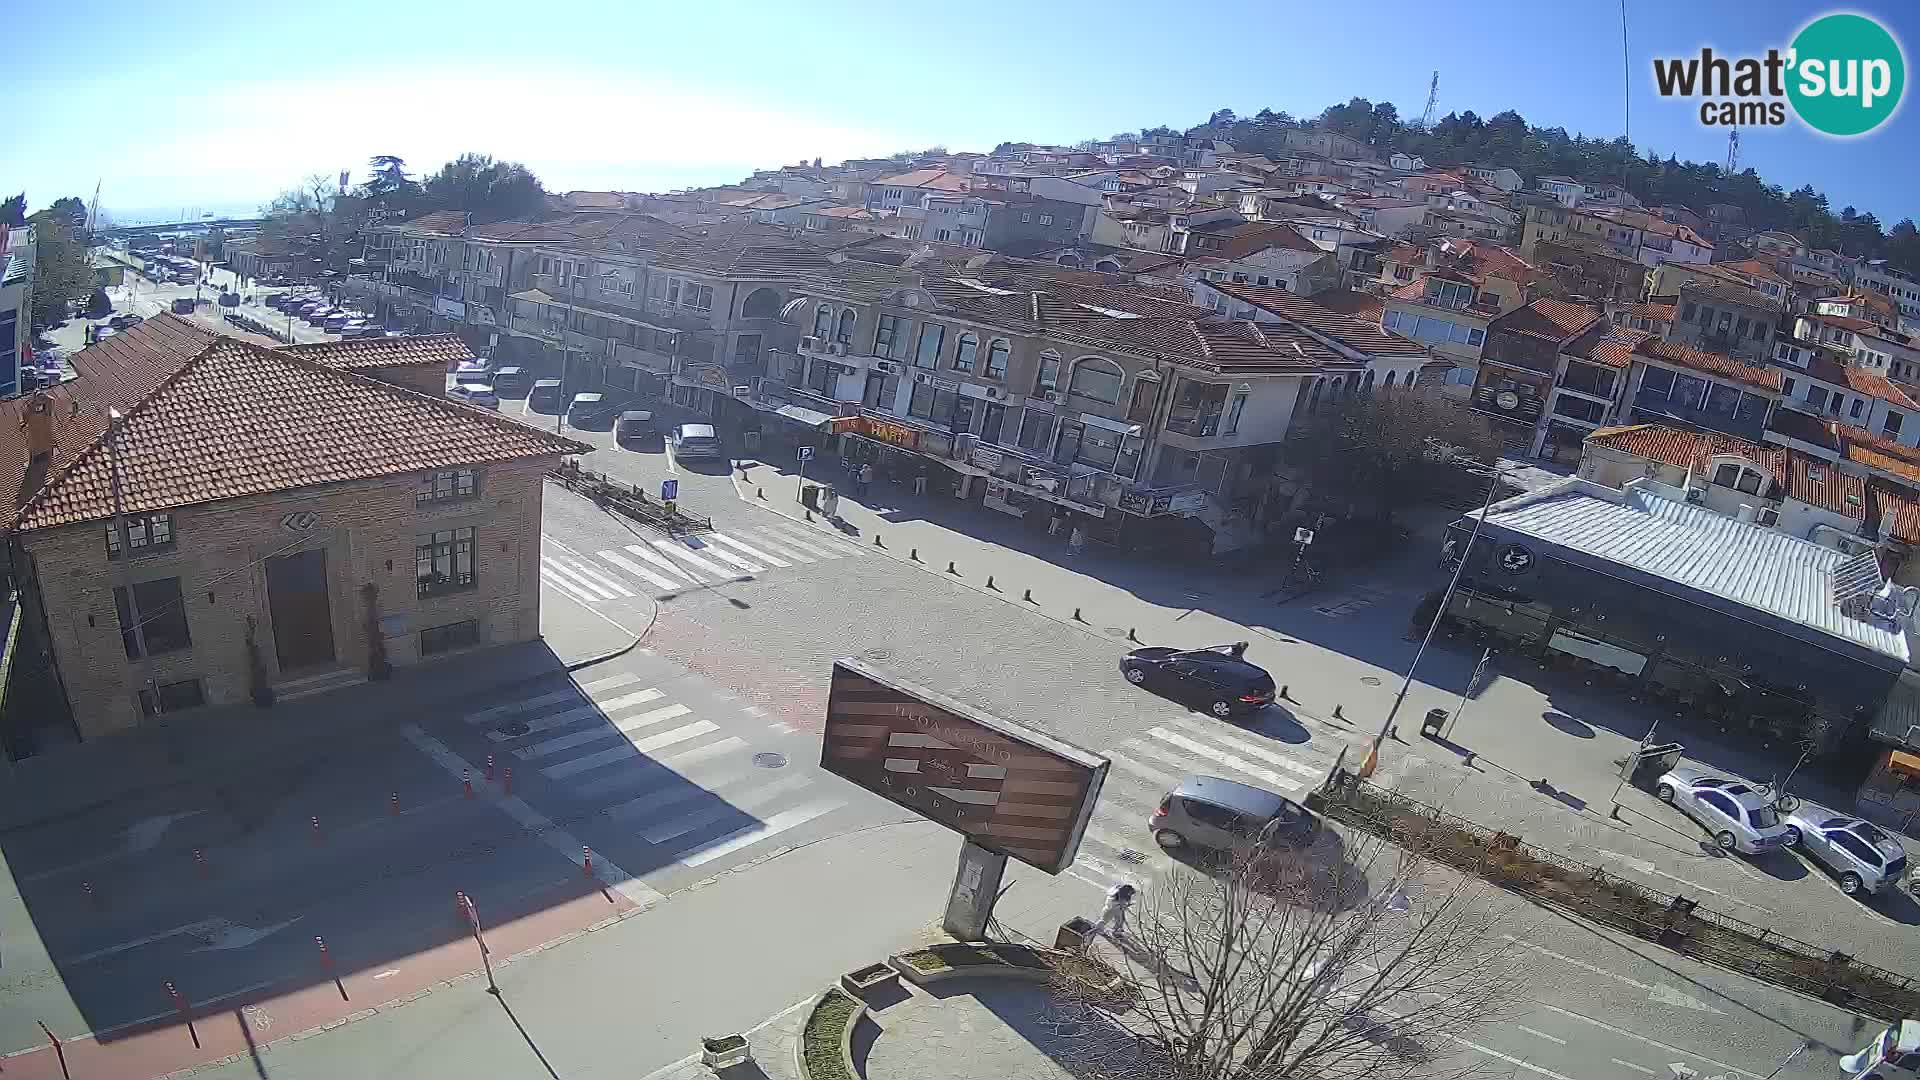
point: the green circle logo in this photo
(1847, 74)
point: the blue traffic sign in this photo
(806, 452)
(669, 490)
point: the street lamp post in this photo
(1459, 567)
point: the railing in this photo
(1199, 426)
(1674, 922)
(628, 500)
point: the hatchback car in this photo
(510, 379)
(1213, 814)
(1218, 679)
(634, 427)
(545, 396)
(1739, 819)
(474, 394)
(1863, 856)
(694, 442)
(466, 368)
(182, 306)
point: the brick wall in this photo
(368, 531)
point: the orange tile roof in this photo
(1712, 363)
(1898, 513)
(1353, 332)
(359, 354)
(239, 419)
(1553, 320)
(1818, 483)
(1350, 302)
(1609, 345)
(1858, 379)
(1688, 449)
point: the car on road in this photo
(354, 328)
(337, 321)
(1739, 819)
(545, 396)
(1862, 856)
(121, 322)
(635, 427)
(1213, 814)
(182, 306)
(467, 368)
(474, 394)
(593, 410)
(1218, 679)
(696, 442)
(510, 380)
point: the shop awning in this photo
(805, 416)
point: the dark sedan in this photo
(1218, 679)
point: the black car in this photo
(1217, 679)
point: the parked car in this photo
(1862, 856)
(466, 368)
(474, 394)
(695, 442)
(634, 427)
(1213, 814)
(545, 396)
(336, 321)
(182, 306)
(592, 410)
(121, 322)
(510, 380)
(353, 329)
(1739, 819)
(1218, 679)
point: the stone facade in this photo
(220, 552)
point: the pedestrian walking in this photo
(1113, 917)
(920, 482)
(1077, 542)
(866, 478)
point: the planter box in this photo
(845, 1042)
(725, 1051)
(867, 979)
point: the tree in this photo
(14, 210)
(1379, 446)
(99, 305)
(489, 190)
(1282, 966)
(71, 212)
(62, 273)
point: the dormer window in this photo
(1740, 475)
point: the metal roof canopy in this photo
(1741, 569)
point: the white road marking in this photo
(637, 570)
(752, 552)
(549, 564)
(1603, 1025)
(685, 554)
(678, 735)
(1659, 993)
(562, 743)
(585, 570)
(387, 974)
(1231, 761)
(567, 844)
(1492, 1053)
(611, 682)
(548, 723)
(1263, 753)
(729, 807)
(726, 556)
(651, 717)
(1148, 772)
(711, 750)
(194, 928)
(668, 567)
(753, 834)
(574, 766)
(1536, 1033)
(528, 705)
(1631, 1065)
(676, 792)
(677, 762)
(547, 575)
(551, 542)
(783, 549)
(813, 544)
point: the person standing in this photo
(866, 478)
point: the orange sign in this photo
(898, 434)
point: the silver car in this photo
(1861, 854)
(1739, 819)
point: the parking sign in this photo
(669, 489)
(806, 452)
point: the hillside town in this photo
(695, 480)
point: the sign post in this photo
(486, 956)
(806, 454)
(669, 489)
(975, 887)
(1301, 538)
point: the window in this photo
(1854, 846)
(1786, 387)
(1046, 219)
(443, 562)
(1049, 375)
(1859, 406)
(887, 338)
(1713, 800)
(844, 335)
(1238, 403)
(1726, 475)
(943, 235)
(1816, 397)
(1098, 447)
(1759, 329)
(932, 337)
(174, 696)
(1452, 294)
(145, 532)
(446, 485)
(163, 618)
(1686, 313)
(1096, 380)
(439, 639)
(1891, 426)
(991, 423)
(1657, 381)
(997, 359)
(1146, 392)
(921, 401)
(1749, 482)
(822, 321)
(1740, 328)
(1036, 430)
(965, 352)
(697, 297)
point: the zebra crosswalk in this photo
(663, 568)
(1117, 845)
(671, 768)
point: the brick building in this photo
(276, 504)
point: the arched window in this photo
(761, 304)
(1412, 378)
(822, 321)
(1389, 383)
(844, 335)
(997, 359)
(1048, 377)
(1096, 380)
(1337, 390)
(1313, 396)
(966, 352)
(1366, 387)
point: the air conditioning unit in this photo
(836, 348)
(1697, 496)
(922, 377)
(810, 343)
(1052, 396)
(887, 367)
(993, 391)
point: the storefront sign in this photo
(988, 459)
(898, 435)
(1515, 559)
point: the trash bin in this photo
(1435, 722)
(810, 496)
(1074, 934)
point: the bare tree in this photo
(1280, 967)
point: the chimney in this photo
(38, 423)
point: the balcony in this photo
(1749, 424)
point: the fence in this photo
(1674, 922)
(629, 500)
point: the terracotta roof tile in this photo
(1552, 320)
(1721, 364)
(1354, 332)
(1609, 345)
(1689, 449)
(1351, 302)
(1858, 379)
(1818, 483)
(1898, 513)
(239, 419)
(360, 354)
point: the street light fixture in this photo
(1494, 474)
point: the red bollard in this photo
(466, 781)
(489, 768)
(200, 862)
(393, 804)
(507, 784)
(586, 860)
(326, 959)
(460, 908)
(317, 838)
(179, 1001)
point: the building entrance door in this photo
(302, 619)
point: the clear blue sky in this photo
(219, 105)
